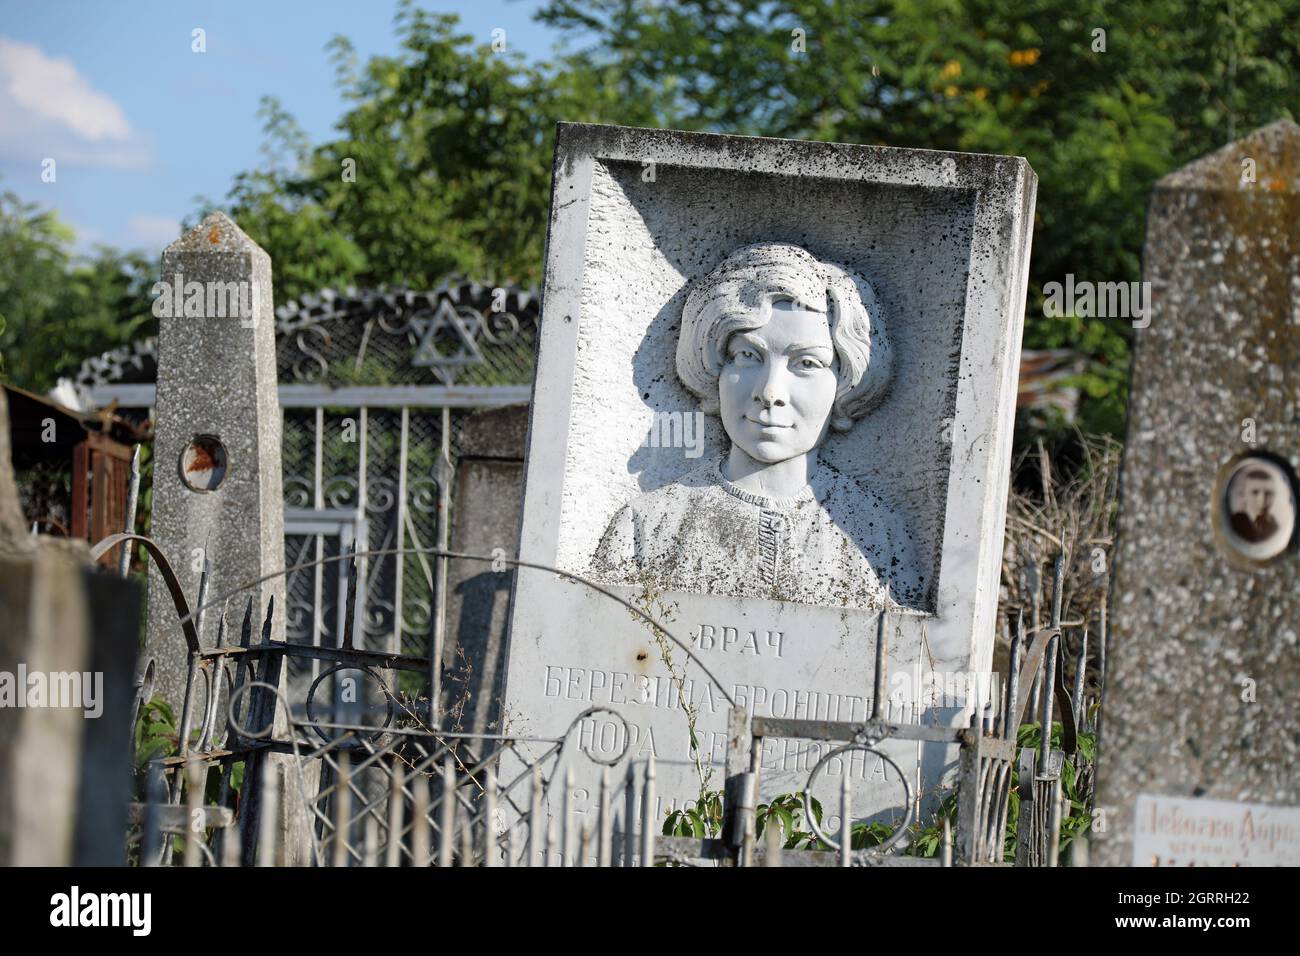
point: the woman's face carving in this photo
(778, 387)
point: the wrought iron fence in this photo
(332, 782)
(375, 387)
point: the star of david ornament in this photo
(448, 326)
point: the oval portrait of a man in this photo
(783, 348)
(1258, 510)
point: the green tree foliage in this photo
(1177, 79)
(441, 162)
(451, 145)
(58, 307)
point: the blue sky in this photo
(140, 125)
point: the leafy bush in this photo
(704, 818)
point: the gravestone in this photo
(1203, 661)
(489, 501)
(14, 537)
(217, 490)
(713, 306)
(67, 665)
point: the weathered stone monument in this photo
(217, 488)
(1198, 756)
(67, 663)
(775, 390)
(217, 491)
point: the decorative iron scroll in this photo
(459, 333)
(126, 365)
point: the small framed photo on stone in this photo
(1255, 509)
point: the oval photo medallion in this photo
(203, 463)
(1256, 508)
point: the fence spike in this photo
(205, 577)
(246, 629)
(269, 814)
(187, 718)
(550, 839)
(648, 814)
(466, 843)
(194, 813)
(584, 845)
(128, 523)
(349, 615)
(1054, 824)
(1048, 699)
(945, 847)
(1101, 648)
(393, 848)
(370, 844)
(1013, 678)
(1058, 588)
(447, 812)
(772, 851)
(603, 834)
(420, 821)
(882, 659)
(155, 796)
(629, 815)
(535, 833)
(266, 624)
(1080, 676)
(846, 822)
(1079, 852)
(566, 814)
(221, 624)
(230, 846)
(490, 846)
(342, 809)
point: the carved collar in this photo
(809, 493)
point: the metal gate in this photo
(374, 387)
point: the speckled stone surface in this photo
(216, 376)
(490, 492)
(14, 536)
(1190, 628)
(61, 799)
(636, 216)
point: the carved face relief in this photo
(778, 387)
(782, 347)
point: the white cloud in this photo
(54, 90)
(47, 108)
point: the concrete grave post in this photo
(489, 496)
(217, 487)
(67, 666)
(1200, 723)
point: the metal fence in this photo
(342, 778)
(375, 387)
